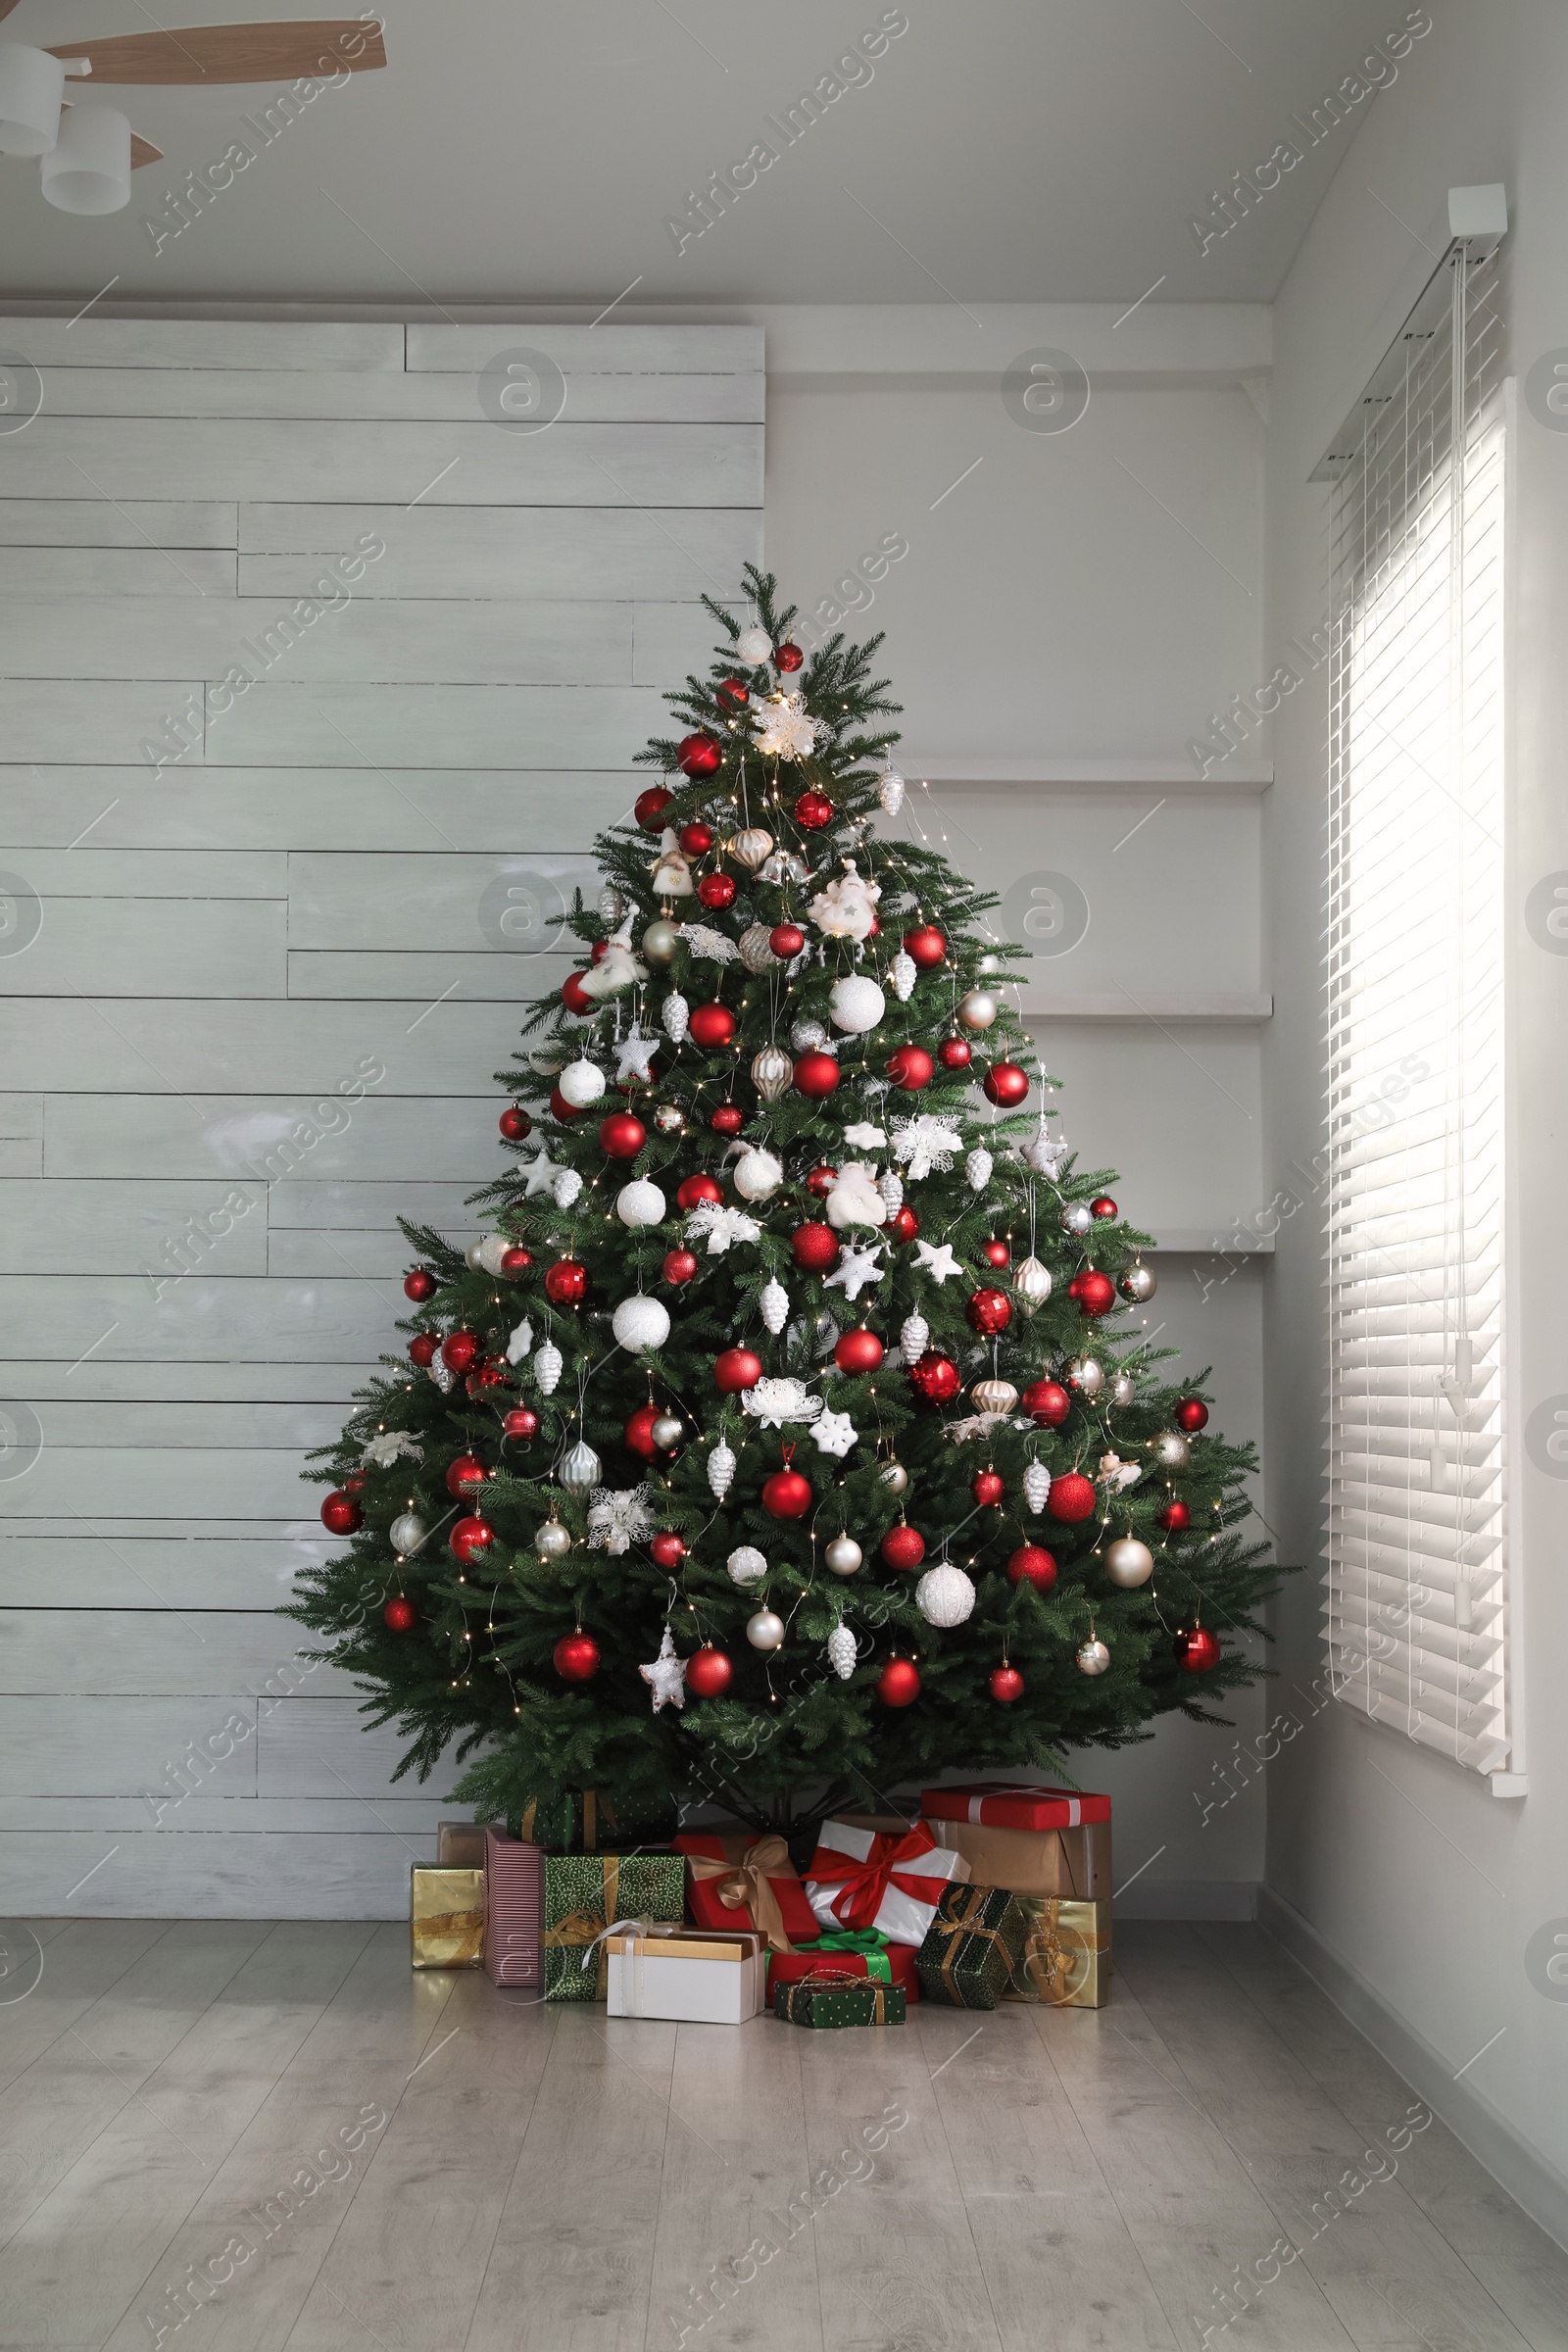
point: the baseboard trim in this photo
(1188, 1898)
(1528, 2175)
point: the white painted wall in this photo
(1422, 1896)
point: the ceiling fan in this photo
(89, 152)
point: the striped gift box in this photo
(514, 1909)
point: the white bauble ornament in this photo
(547, 1062)
(551, 1541)
(856, 1003)
(751, 847)
(1077, 1219)
(580, 1469)
(758, 1174)
(1031, 1285)
(471, 1258)
(565, 1187)
(988, 963)
(903, 972)
(978, 1010)
(766, 1631)
(889, 792)
(661, 940)
(582, 1083)
(944, 1596)
(640, 1203)
(1036, 1486)
(843, 1652)
(720, 1470)
(747, 1565)
(666, 1431)
(1171, 1449)
(407, 1532)
(1123, 1388)
(895, 1477)
(995, 1395)
(772, 1073)
(639, 1322)
(775, 1304)
(1129, 1563)
(891, 1187)
(808, 1037)
(675, 1016)
(492, 1250)
(753, 647)
(756, 953)
(1137, 1282)
(547, 1363)
(914, 1337)
(977, 1167)
(1086, 1375)
(842, 1555)
(1092, 1658)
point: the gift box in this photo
(1066, 1956)
(994, 1805)
(874, 1871)
(973, 1946)
(689, 1973)
(446, 1915)
(460, 1845)
(852, 1952)
(514, 1909)
(836, 2000)
(742, 1880)
(1071, 1862)
(586, 1893)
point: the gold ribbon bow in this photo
(744, 1884)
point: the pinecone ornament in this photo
(1036, 1486)
(722, 1470)
(842, 1650)
(775, 1304)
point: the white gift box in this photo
(696, 1975)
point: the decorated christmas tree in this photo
(789, 1434)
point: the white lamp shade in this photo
(88, 169)
(31, 86)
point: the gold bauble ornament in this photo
(756, 953)
(842, 1555)
(1129, 1563)
(772, 1072)
(659, 941)
(894, 1475)
(995, 1395)
(978, 1010)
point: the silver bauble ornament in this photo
(747, 1565)
(903, 973)
(1129, 1563)
(756, 954)
(471, 1258)
(581, 1082)
(1031, 1285)
(842, 1555)
(751, 847)
(772, 1073)
(807, 1036)
(914, 1337)
(720, 1470)
(944, 1596)
(408, 1531)
(995, 1395)
(1137, 1282)
(641, 1202)
(580, 1469)
(547, 1363)
(774, 1304)
(551, 1541)
(1077, 1219)
(978, 1010)
(640, 1322)
(1123, 1388)
(493, 1247)
(977, 1167)
(889, 792)
(843, 1652)
(676, 1017)
(546, 1061)
(1036, 1486)
(1171, 1449)
(895, 1476)
(856, 1003)
(1092, 1658)
(661, 940)
(1086, 1375)
(666, 1429)
(766, 1631)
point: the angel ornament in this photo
(672, 876)
(846, 909)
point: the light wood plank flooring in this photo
(354, 2156)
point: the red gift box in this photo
(739, 1880)
(514, 1909)
(787, 1968)
(997, 1806)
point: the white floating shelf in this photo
(1165, 775)
(1204, 1005)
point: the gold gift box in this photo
(1066, 1958)
(446, 1915)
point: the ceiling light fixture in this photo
(31, 86)
(88, 169)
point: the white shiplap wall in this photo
(224, 944)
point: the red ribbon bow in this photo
(864, 1883)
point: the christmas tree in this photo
(786, 1437)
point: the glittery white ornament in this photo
(856, 1003)
(753, 647)
(582, 1083)
(889, 792)
(758, 1174)
(944, 1596)
(808, 1037)
(747, 1565)
(1036, 1486)
(675, 1017)
(548, 1364)
(407, 1532)
(567, 1187)
(775, 1304)
(720, 1470)
(842, 1650)
(977, 1167)
(1171, 1449)
(903, 972)
(914, 1339)
(641, 1202)
(891, 1187)
(639, 1322)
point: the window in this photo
(1417, 1598)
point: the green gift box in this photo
(834, 2000)
(973, 1946)
(586, 1893)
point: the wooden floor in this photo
(544, 2178)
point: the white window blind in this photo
(1417, 1600)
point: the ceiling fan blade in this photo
(6, 6)
(194, 54)
(142, 151)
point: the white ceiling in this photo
(1010, 150)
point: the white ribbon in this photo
(637, 1932)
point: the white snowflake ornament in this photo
(634, 1058)
(541, 1172)
(720, 1470)
(775, 1304)
(936, 1258)
(977, 1167)
(547, 1366)
(834, 1433)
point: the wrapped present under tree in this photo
(973, 1947)
(584, 1895)
(828, 1999)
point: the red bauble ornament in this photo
(717, 891)
(515, 1123)
(622, 1135)
(996, 1253)
(1047, 1403)
(648, 808)
(814, 1248)
(728, 1119)
(561, 1110)
(1077, 1283)
(494, 1375)
(815, 1074)
(571, 994)
(460, 1350)
(708, 1672)
(577, 1657)
(341, 1514)
(736, 1369)
(813, 811)
(899, 1683)
(1096, 1294)
(422, 1347)
(639, 1431)
(467, 1471)
(925, 946)
(787, 1494)
(712, 1025)
(399, 1616)
(911, 1067)
(419, 1283)
(1196, 1649)
(696, 839)
(734, 689)
(698, 755)
(988, 1487)
(1102, 1207)
(821, 1181)
(860, 1350)
(515, 1261)
(1071, 1498)
(903, 1546)
(470, 1540)
(955, 1053)
(1032, 1564)
(668, 1548)
(1173, 1518)
(788, 657)
(695, 1189)
(1004, 1684)
(566, 1281)
(1006, 1084)
(989, 1312)
(521, 1422)
(1191, 1414)
(679, 1267)
(903, 1226)
(786, 940)
(935, 1377)
(354, 1485)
